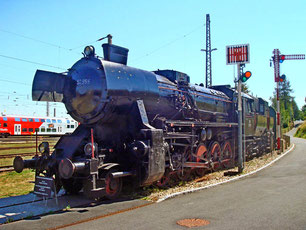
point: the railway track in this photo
(21, 147)
(16, 154)
(6, 169)
(26, 139)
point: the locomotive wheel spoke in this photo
(227, 154)
(202, 153)
(215, 152)
(185, 174)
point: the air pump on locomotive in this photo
(140, 124)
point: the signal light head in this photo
(282, 78)
(245, 76)
(281, 58)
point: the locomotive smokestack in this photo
(114, 53)
(109, 39)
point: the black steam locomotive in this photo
(140, 124)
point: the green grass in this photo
(301, 131)
(15, 184)
(12, 183)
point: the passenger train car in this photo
(25, 126)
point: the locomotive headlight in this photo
(43, 147)
(89, 51)
(88, 149)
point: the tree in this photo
(304, 112)
(288, 108)
(296, 112)
(245, 88)
(284, 93)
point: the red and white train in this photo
(24, 126)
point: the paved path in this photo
(274, 198)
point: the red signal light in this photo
(281, 58)
(245, 76)
(282, 78)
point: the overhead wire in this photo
(89, 43)
(39, 41)
(33, 39)
(49, 43)
(32, 62)
(15, 82)
(168, 43)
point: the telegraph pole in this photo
(208, 50)
(278, 58)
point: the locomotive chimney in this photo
(109, 39)
(114, 53)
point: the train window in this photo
(68, 126)
(72, 126)
(5, 118)
(4, 124)
(68, 122)
(0, 124)
(24, 119)
(261, 108)
(53, 121)
(48, 121)
(249, 107)
(36, 129)
(43, 129)
(17, 119)
(54, 130)
(42, 120)
(48, 130)
(31, 130)
(31, 120)
(59, 121)
(24, 130)
(36, 120)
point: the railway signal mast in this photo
(208, 50)
(239, 55)
(279, 58)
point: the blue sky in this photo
(159, 34)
